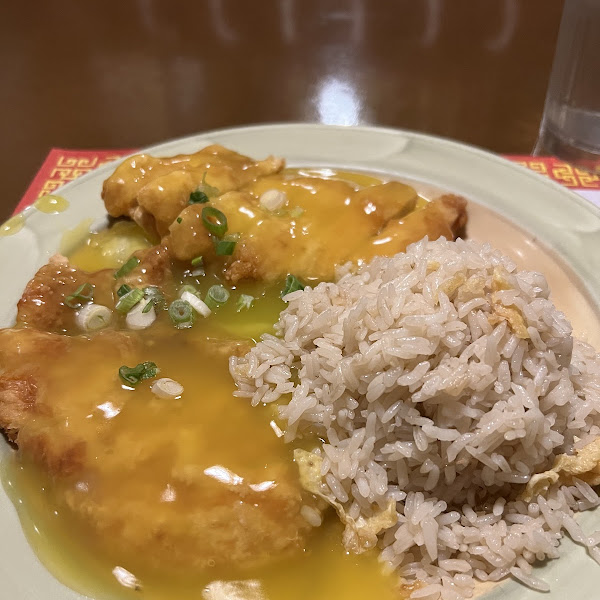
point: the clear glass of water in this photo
(570, 126)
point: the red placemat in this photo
(63, 165)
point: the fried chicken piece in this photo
(153, 191)
(323, 223)
(453, 209)
(154, 268)
(190, 238)
(43, 307)
(18, 384)
(17, 397)
(166, 196)
(159, 479)
(28, 358)
(246, 266)
(42, 304)
(391, 200)
(236, 524)
(445, 216)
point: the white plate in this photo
(565, 224)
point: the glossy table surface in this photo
(135, 72)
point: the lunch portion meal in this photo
(262, 383)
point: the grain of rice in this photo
(532, 582)
(595, 553)
(311, 515)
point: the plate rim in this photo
(449, 142)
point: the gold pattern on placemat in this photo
(69, 167)
(560, 171)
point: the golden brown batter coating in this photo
(325, 223)
(42, 305)
(153, 191)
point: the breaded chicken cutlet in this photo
(57, 394)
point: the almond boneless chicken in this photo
(198, 480)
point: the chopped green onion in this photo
(181, 313)
(129, 300)
(198, 305)
(198, 197)
(189, 288)
(179, 219)
(225, 247)
(197, 262)
(123, 290)
(155, 296)
(138, 318)
(209, 190)
(152, 290)
(273, 200)
(84, 293)
(166, 388)
(93, 317)
(216, 295)
(291, 285)
(133, 375)
(127, 267)
(148, 307)
(244, 302)
(214, 220)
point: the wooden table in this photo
(134, 72)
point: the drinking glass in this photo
(570, 126)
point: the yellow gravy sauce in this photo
(51, 204)
(142, 449)
(324, 571)
(12, 226)
(141, 440)
(330, 217)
